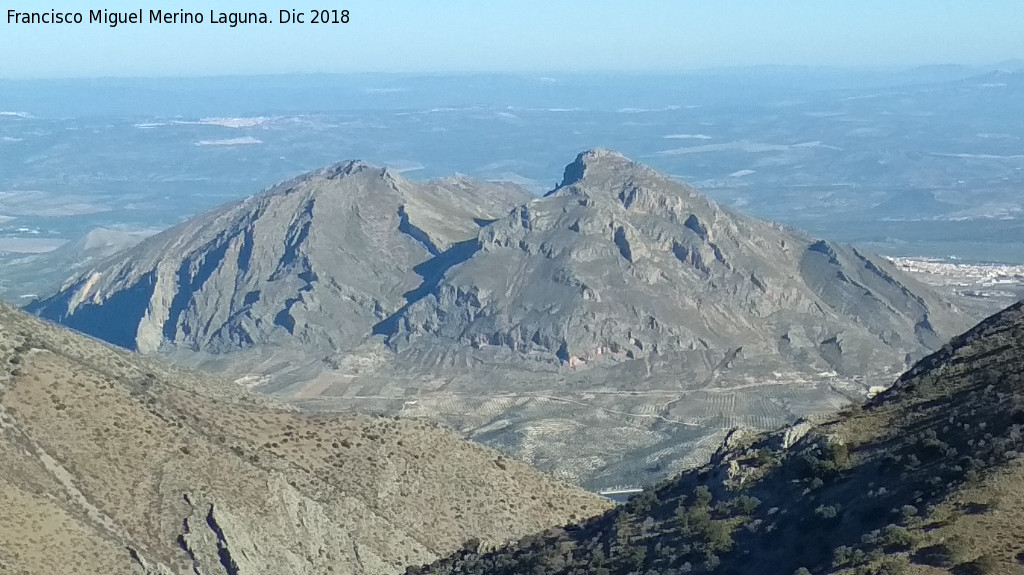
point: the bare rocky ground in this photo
(603, 436)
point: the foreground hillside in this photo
(112, 463)
(610, 332)
(926, 478)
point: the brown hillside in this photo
(112, 463)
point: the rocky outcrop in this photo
(620, 263)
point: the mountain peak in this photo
(610, 180)
(618, 241)
(597, 158)
(300, 263)
(349, 176)
(346, 168)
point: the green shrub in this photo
(897, 538)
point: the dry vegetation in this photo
(112, 463)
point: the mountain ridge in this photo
(611, 210)
(623, 300)
(172, 268)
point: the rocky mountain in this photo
(114, 463)
(312, 262)
(925, 478)
(621, 263)
(622, 313)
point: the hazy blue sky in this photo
(526, 35)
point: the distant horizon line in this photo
(1017, 63)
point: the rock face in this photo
(611, 331)
(313, 262)
(621, 263)
(115, 463)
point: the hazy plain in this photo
(926, 162)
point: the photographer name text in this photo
(140, 16)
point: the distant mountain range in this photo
(613, 330)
